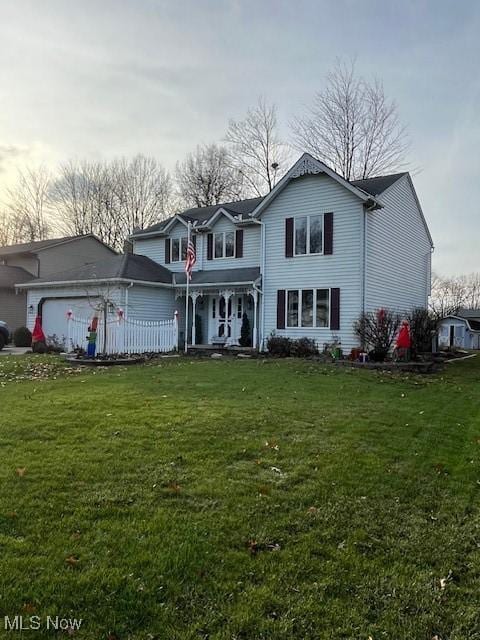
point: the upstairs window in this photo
(178, 250)
(224, 244)
(308, 235)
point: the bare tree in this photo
(111, 199)
(256, 149)
(10, 232)
(144, 191)
(352, 126)
(471, 283)
(27, 206)
(205, 177)
(448, 295)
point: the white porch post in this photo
(194, 295)
(255, 306)
(226, 295)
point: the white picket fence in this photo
(124, 335)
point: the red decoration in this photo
(38, 335)
(69, 314)
(404, 341)
(120, 313)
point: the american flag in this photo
(191, 258)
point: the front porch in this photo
(219, 318)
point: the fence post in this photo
(175, 318)
(69, 344)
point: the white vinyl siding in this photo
(154, 248)
(151, 303)
(398, 256)
(343, 269)
(251, 246)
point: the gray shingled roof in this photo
(39, 245)
(468, 313)
(220, 276)
(243, 208)
(201, 214)
(10, 276)
(376, 186)
(127, 266)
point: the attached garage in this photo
(54, 313)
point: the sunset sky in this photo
(97, 79)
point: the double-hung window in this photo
(178, 250)
(308, 308)
(308, 235)
(224, 244)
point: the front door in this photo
(226, 319)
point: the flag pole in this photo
(186, 294)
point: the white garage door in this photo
(54, 314)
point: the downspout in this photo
(364, 258)
(262, 273)
(126, 298)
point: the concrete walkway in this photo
(14, 351)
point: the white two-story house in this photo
(305, 260)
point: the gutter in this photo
(61, 283)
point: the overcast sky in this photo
(99, 78)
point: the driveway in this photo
(14, 351)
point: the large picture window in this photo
(308, 308)
(224, 244)
(308, 235)
(178, 249)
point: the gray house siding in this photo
(398, 260)
(26, 261)
(312, 195)
(12, 308)
(71, 254)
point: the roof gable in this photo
(308, 165)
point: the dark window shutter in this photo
(210, 246)
(328, 234)
(167, 250)
(239, 243)
(334, 309)
(281, 309)
(289, 237)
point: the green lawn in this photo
(240, 500)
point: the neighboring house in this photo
(20, 262)
(305, 260)
(460, 330)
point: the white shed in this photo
(461, 330)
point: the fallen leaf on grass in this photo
(72, 561)
(21, 471)
(174, 487)
(29, 607)
(312, 510)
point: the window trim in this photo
(308, 253)
(314, 308)
(224, 245)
